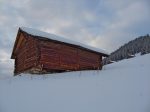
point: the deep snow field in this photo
(120, 87)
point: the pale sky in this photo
(105, 24)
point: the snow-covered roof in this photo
(50, 36)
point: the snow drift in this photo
(120, 87)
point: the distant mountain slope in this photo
(119, 87)
(138, 45)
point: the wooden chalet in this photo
(40, 52)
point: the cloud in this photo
(6, 68)
(125, 25)
(6, 65)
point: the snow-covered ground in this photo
(120, 87)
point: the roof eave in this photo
(12, 55)
(47, 39)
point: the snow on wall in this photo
(58, 38)
(121, 87)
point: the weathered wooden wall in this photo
(60, 56)
(34, 54)
(26, 55)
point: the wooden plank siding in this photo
(26, 54)
(35, 54)
(56, 56)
